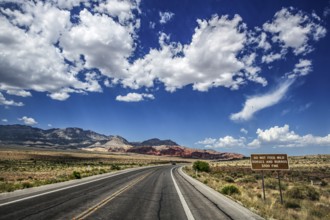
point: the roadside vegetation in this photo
(21, 169)
(305, 187)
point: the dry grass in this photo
(305, 187)
(28, 168)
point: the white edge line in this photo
(183, 201)
(229, 202)
(68, 187)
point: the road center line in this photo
(108, 199)
(183, 201)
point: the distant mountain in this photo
(77, 138)
(55, 138)
(114, 144)
(154, 142)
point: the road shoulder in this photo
(232, 208)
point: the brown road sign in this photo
(269, 162)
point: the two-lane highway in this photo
(162, 192)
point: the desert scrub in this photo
(246, 179)
(9, 187)
(303, 192)
(229, 179)
(41, 167)
(76, 175)
(201, 166)
(272, 183)
(320, 211)
(292, 204)
(230, 190)
(312, 173)
(26, 184)
(115, 167)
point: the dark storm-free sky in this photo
(242, 76)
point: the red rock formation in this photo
(179, 151)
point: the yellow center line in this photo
(108, 199)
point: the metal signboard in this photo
(269, 162)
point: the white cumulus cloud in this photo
(303, 67)
(28, 121)
(269, 58)
(210, 60)
(244, 131)
(224, 142)
(19, 92)
(293, 29)
(27, 37)
(105, 44)
(60, 96)
(207, 141)
(283, 137)
(69, 4)
(6, 102)
(121, 9)
(134, 97)
(165, 17)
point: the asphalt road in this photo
(162, 192)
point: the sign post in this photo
(279, 186)
(263, 184)
(270, 162)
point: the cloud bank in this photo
(273, 137)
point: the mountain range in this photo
(77, 138)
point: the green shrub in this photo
(201, 166)
(115, 167)
(257, 176)
(230, 190)
(50, 181)
(101, 171)
(27, 185)
(7, 187)
(324, 183)
(229, 179)
(303, 192)
(238, 175)
(76, 175)
(291, 204)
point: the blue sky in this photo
(237, 76)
